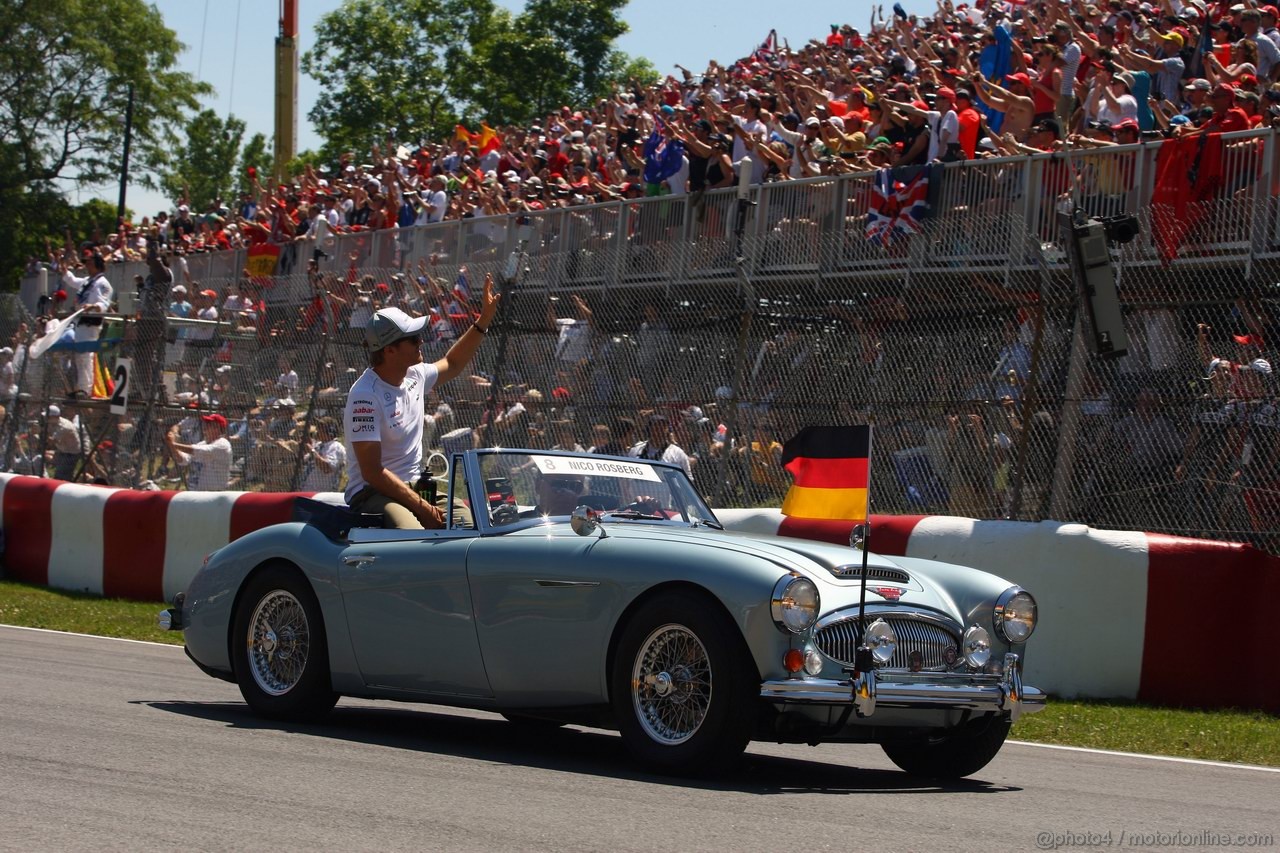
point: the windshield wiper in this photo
(632, 513)
(714, 525)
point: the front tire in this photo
(684, 688)
(278, 649)
(970, 748)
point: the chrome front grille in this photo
(854, 570)
(839, 641)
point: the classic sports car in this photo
(609, 594)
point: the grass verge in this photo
(1245, 737)
(1249, 737)
(37, 607)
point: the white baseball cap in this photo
(389, 325)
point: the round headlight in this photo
(882, 641)
(1015, 615)
(976, 647)
(795, 603)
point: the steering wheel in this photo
(504, 514)
(643, 504)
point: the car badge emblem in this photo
(892, 593)
(950, 655)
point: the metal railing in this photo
(962, 343)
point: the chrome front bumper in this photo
(961, 691)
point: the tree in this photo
(412, 69)
(587, 30)
(258, 157)
(392, 67)
(555, 52)
(65, 75)
(202, 170)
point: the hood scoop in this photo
(874, 573)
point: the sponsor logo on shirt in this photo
(386, 395)
(362, 402)
(361, 420)
(363, 410)
(362, 428)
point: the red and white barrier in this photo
(1141, 616)
(1161, 619)
(123, 543)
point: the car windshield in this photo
(527, 484)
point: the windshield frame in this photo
(673, 477)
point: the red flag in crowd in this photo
(1188, 176)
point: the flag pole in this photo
(862, 657)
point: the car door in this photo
(409, 611)
(546, 600)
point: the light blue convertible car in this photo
(571, 588)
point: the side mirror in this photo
(858, 537)
(585, 521)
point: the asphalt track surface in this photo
(108, 744)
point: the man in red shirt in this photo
(969, 123)
(1226, 115)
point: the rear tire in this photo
(278, 649)
(970, 748)
(684, 688)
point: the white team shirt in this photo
(208, 465)
(380, 412)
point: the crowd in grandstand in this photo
(991, 80)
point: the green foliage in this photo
(65, 74)
(392, 67)
(257, 155)
(40, 213)
(414, 68)
(203, 168)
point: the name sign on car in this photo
(597, 467)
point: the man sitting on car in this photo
(384, 413)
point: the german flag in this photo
(831, 468)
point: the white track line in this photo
(92, 636)
(1226, 764)
(1175, 759)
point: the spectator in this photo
(205, 310)
(70, 444)
(93, 297)
(660, 446)
(208, 462)
(325, 459)
(179, 307)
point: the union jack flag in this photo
(899, 203)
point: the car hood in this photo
(820, 562)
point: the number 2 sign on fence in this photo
(120, 397)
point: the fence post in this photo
(1069, 426)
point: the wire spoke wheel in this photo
(279, 642)
(671, 684)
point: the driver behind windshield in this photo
(557, 495)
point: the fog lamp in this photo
(882, 641)
(976, 647)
